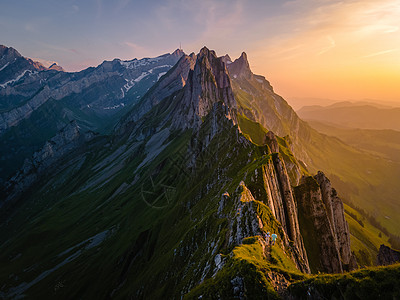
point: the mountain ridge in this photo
(179, 195)
(95, 98)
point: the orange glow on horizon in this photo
(350, 51)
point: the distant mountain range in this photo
(298, 102)
(354, 115)
(173, 195)
(383, 142)
(36, 102)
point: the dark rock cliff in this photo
(323, 226)
(387, 256)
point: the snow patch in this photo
(115, 106)
(143, 75)
(16, 79)
(3, 67)
(134, 63)
(161, 74)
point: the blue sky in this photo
(306, 48)
(78, 33)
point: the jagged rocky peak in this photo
(8, 53)
(240, 68)
(208, 84)
(56, 67)
(178, 53)
(226, 59)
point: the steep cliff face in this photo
(335, 211)
(208, 84)
(387, 256)
(322, 224)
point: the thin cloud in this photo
(380, 53)
(137, 49)
(331, 45)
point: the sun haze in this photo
(310, 48)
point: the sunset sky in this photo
(306, 48)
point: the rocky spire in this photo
(207, 85)
(240, 68)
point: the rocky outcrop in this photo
(272, 142)
(247, 222)
(292, 223)
(270, 184)
(240, 68)
(207, 85)
(323, 226)
(335, 211)
(387, 256)
(67, 140)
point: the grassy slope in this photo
(365, 239)
(369, 283)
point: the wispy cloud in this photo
(138, 50)
(331, 45)
(380, 53)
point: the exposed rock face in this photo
(323, 226)
(387, 256)
(240, 68)
(270, 139)
(197, 86)
(14, 65)
(335, 211)
(68, 139)
(272, 186)
(208, 84)
(292, 223)
(246, 223)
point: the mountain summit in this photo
(240, 68)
